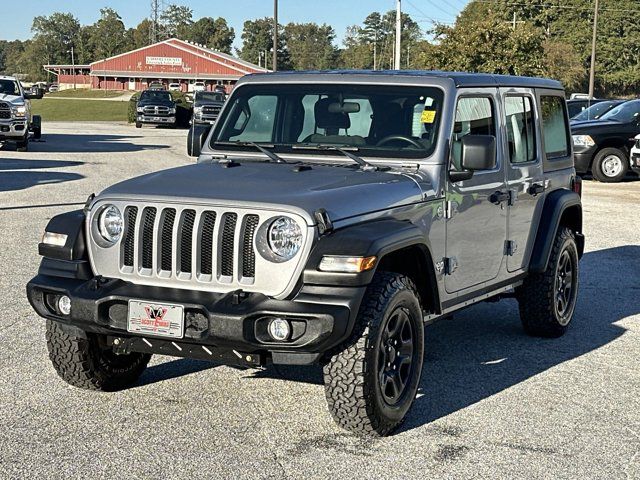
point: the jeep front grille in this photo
(197, 247)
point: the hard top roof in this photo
(460, 79)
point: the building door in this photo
(477, 223)
(132, 84)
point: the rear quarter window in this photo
(555, 127)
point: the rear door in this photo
(477, 226)
(525, 181)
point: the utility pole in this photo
(275, 35)
(592, 74)
(398, 52)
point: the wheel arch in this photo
(562, 208)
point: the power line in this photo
(561, 7)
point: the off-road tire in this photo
(37, 133)
(537, 296)
(82, 362)
(598, 168)
(351, 375)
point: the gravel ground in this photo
(493, 402)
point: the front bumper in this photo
(13, 129)
(156, 119)
(634, 160)
(321, 317)
(582, 157)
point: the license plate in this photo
(158, 119)
(160, 319)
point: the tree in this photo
(176, 21)
(140, 36)
(563, 63)
(108, 35)
(216, 34)
(54, 36)
(257, 43)
(310, 46)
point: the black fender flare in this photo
(380, 238)
(70, 224)
(564, 207)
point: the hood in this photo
(595, 126)
(14, 99)
(342, 191)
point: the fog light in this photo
(64, 305)
(279, 329)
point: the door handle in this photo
(498, 197)
(536, 189)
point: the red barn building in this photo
(169, 61)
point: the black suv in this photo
(155, 107)
(602, 146)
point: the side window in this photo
(474, 116)
(555, 127)
(257, 120)
(520, 129)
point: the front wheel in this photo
(547, 300)
(23, 144)
(371, 383)
(85, 361)
(138, 125)
(610, 165)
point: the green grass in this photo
(79, 111)
(86, 93)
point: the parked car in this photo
(199, 87)
(602, 146)
(327, 219)
(16, 120)
(54, 87)
(206, 107)
(156, 86)
(578, 105)
(175, 87)
(220, 89)
(155, 107)
(596, 111)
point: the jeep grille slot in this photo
(228, 243)
(208, 223)
(186, 240)
(166, 239)
(148, 219)
(248, 253)
(210, 248)
(130, 215)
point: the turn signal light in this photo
(331, 263)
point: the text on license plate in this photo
(150, 318)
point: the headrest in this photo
(328, 120)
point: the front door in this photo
(525, 178)
(132, 84)
(477, 221)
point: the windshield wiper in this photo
(362, 163)
(268, 153)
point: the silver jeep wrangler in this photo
(328, 218)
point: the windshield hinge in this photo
(450, 265)
(325, 225)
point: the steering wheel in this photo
(409, 140)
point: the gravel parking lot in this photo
(493, 402)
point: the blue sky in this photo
(16, 22)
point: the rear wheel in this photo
(85, 361)
(371, 383)
(547, 300)
(610, 165)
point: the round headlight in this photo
(110, 224)
(285, 237)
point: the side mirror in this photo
(478, 153)
(195, 139)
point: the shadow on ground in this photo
(18, 174)
(483, 350)
(94, 143)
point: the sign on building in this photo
(173, 61)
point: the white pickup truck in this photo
(16, 121)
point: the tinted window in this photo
(555, 127)
(9, 87)
(624, 113)
(155, 95)
(474, 116)
(520, 129)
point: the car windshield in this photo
(595, 111)
(156, 95)
(379, 121)
(624, 113)
(209, 97)
(9, 87)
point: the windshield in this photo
(9, 87)
(624, 113)
(209, 97)
(155, 96)
(595, 111)
(382, 121)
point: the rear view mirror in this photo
(195, 139)
(346, 107)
